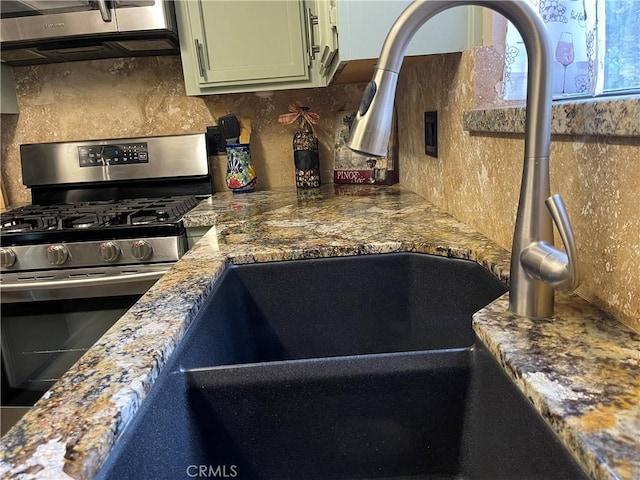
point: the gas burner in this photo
(22, 224)
(162, 216)
(17, 226)
(95, 220)
(79, 221)
(147, 217)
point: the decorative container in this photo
(306, 155)
(241, 176)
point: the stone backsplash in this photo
(476, 178)
(144, 97)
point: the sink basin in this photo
(353, 367)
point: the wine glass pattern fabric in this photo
(572, 27)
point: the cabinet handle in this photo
(200, 58)
(104, 10)
(312, 47)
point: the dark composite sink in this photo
(344, 368)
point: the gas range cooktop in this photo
(90, 220)
(101, 209)
(93, 234)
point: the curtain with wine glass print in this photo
(577, 49)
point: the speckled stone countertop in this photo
(617, 118)
(581, 369)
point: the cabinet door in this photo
(243, 43)
(9, 101)
(364, 24)
(260, 40)
(327, 34)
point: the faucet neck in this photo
(531, 27)
(528, 295)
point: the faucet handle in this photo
(561, 219)
(548, 264)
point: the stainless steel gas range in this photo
(105, 223)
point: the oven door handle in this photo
(81, 282)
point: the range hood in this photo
(52, 31)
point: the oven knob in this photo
(57, 254)
(141, 250)
(7, 257)
(109, 251)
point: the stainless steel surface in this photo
(54, 25)
(372, 137)
(105, 13)
(147, 16)
(30, 258)
(47, 328)
(141, 250)
(529, 296)
(554, 267)
(84, 252)
(109, 251)
(573, 275)
(7, 257)
(169, 156)
(200, 57)
(84, 282)
(129, 17)
(312, 48)
(107, 281)
(128, 28)
(57, 254)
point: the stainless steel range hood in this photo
(52, 31)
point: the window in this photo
(595, 46)
(622, 57)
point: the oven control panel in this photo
(163, 157)
(122, 154)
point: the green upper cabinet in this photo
(8, 100)
(232, 46)
(249, 45)
(363, 25)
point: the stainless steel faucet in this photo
(537, 267)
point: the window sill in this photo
(607, 117)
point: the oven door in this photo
(46, 329)
(79, 282)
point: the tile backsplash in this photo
(476, 177)
(145, 96)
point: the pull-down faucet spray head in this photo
(375, 114)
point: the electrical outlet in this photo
(216, 145)
(431, 133)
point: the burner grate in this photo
(26, 223)
(83, 220)
(96, 215)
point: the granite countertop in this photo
(581, 369)
(602, 117)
